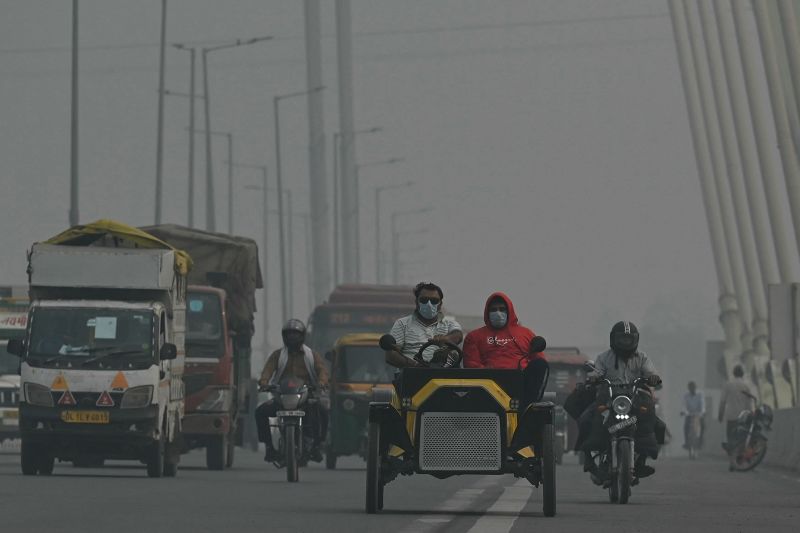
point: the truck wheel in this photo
(46, 464)
(29, 458)
(216, 452)
(330, 460)
(230, 453)
(548, 471)
(155, 458)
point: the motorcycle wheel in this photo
(330, 460)
(216, 450)
(747, 458)
(374, 501)
(624, 472)
(292, 467)
(548, 471)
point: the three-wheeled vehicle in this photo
(452, 421)
(358, 368)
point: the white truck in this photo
(103, 357)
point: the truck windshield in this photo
(78, 333)
(363, 364)
(204, 325)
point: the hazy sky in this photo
(550, 136)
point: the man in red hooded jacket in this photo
(504, 343)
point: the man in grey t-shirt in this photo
(427, 322)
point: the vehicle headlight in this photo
(137, 397)
(622, 405)
(348, 404)
(38, 395)
(217, 400)
(290, 401)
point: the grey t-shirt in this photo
(410, 333)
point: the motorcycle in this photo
(750, 445)
(620, 406)
(294, 398)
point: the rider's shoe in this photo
(596, 479)
(643, 470)
(270, 455)
(315, 455)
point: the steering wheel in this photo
(418, 356)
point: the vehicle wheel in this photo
(624, 472)
(747, 458)
(559, 450)
(548, 471)
(330, 460)
(292, 467)
(29, 458)
(216, 452)
(155, 458)
(230, 453)
(374, 501)
(46, 464)
(613, 488)
(171, 459)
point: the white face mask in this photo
(498, 319)
(428, 310)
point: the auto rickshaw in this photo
(566, 370)
(357, 369)
(450, 421)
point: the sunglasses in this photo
(426, 299)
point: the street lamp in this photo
(229, 136)
(396, 239)
(210, 219)
(357, 207)
(279, 183)
(378, 191)
(336, 198)
(264, 245)
(192, 96)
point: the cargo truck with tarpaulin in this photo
(219, 329)
(103, 354)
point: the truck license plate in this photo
(290, 413)
(85, 417)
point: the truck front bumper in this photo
(127, 435)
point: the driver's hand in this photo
(439, 339)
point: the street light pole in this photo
(73, 163)
(230, 182)
(160, 127)
(378, 191)
(285, 304)
(191, 137)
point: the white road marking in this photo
(461, 501)
(500, 517)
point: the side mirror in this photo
(168, 351)
(329, 355)
(387, 342)
(16, 347)
(538, 344)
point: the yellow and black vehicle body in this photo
(453, 421)
(358, 373)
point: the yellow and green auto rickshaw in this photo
(358, 371)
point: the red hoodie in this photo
(506, 347)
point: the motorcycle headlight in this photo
(137, 397)
(621, 405)
(290, 401)
(217, 400)
(38, 395)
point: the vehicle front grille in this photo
(467, 442)
(9, 397)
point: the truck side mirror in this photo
(16, 347)
(387, 342)
(168, 351)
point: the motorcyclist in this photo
(504, 343)
(426, 323)
(622, 363)
(297, 360)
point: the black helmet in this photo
(294, 325)
(624, 338)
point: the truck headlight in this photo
(38, 395)
(217, 400)
(137, 397)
